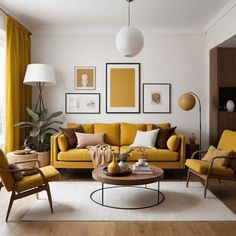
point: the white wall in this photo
(179, 60)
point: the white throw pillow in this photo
(146, 139)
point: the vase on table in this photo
(192, 138)
(124, 166)
(113, 167)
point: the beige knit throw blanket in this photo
(100, 154)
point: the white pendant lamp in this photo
(129, 40)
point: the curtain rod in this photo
(3, 11)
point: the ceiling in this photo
(150, 13)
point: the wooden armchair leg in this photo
(206, 185)
(10, 205)
(49, 197)
(188, 177)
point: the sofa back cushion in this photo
(111, 132)
(128, 132)
(161, 125)
(88, 128)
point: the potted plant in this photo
(122, 158)
(42, 128)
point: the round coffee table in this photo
(129, 180)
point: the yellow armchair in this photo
(30, 184)
(210, 169)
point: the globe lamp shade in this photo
(186, 101)
(129, 41)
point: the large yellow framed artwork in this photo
(85, 77)
(123, 88)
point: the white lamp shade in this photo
(129, 41)
(36, 73)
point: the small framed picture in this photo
(156, 98)
(85, 77)
(122, 88)
(82, 103)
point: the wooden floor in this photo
(226, 191)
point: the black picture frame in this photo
(78, 106)
(155, 102)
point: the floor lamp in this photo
(39, 75)
(187, 102)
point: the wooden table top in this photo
(132, 179)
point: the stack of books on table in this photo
(143, 169)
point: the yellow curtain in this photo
(18, 95)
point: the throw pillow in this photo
(84, 140)
(69, 133)
(163, 136)
(214, 152)
(146, 139)
(173, 143)
(62, 143)
(17, 176)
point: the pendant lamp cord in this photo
(128, 13)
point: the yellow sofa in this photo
(119, 136)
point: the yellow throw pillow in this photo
(173, 143)
(214, 152)
(62, 143)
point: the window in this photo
(2, 84)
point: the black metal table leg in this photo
(102, 193)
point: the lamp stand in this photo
(40, 102)
(200, 120)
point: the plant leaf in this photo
(50, 129)
(55, 114)
(33, 115)
(53, 122)
(34, 133)
(24, 124)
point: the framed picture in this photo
(85, 77)
(156, 98)
(122, 88)
(82, 103)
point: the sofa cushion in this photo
(111, 132)
(201, 167)
(79, 154)
(128, 132)
(89, 139)
(152, 154)
(163, 136)
(161, 125)
(69, 133)
(62, 143)
(88, 128)
(173, 142)
(31, 181)
(146, 139)
(214, 152)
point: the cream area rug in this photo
(71, 202)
